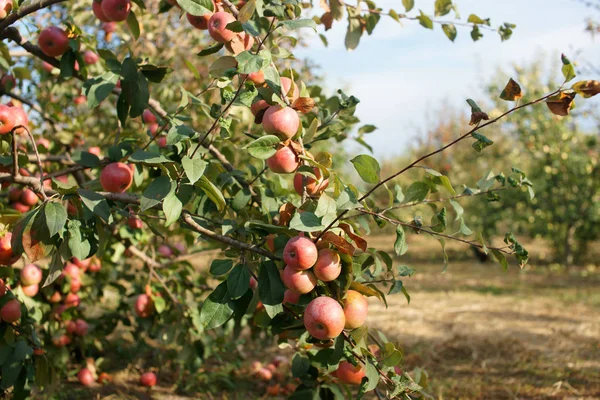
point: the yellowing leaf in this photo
(561, 103)
(512, 91)
(586, 89)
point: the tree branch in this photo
(26, 10)
(444, 199)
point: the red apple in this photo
(89, 57)
(95, 266)
(82, 264)
(2, 288)
(81, 327)
(356, 308)
(116, 177)
(258, 106)
(144, 306)
(313, 187)
(253, 283)
(291, 297)
(97, 9)
(31, 274)
(72, 271)
(264, 374)
(30, 290)
(258, 78)
(281, 121)
(165, 251)
(28, 197)
(14, 194)
(79, 100)
(135, 223)
(85, 377)
(11, 311)
(110, 27)
(95, 150)
(20, 207)
(199, 21)
(6, 254)
(148, 379)
(71, 327)
(284, 161)
(72, 300)
(148, 117)
(5, 8)
(217, 27)
(349, 374)
(75, 285)
(153, 128)
(300, 253)
(162, 141)
(55, 298)
(298, 281)
(53, 41)
(8, 82)
(116, 10)
(61, 341)
(324, 318)
(180, 247)
(327, 267)
(7, 119)
(21, 120)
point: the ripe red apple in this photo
(72, 271)
(5, 8)
(8, 82)
(61, 341)
(162, 142)
(95, 150)
(217, 27)
(356, 308)
(21, 120)
(75, 285)
(165, 251)
(350, 374)
(289, 89)
(281, 121)
(116, 10)
(7, 119)
(199, 21)
(82, 264)
(81, 327)
(6, 254)
(28, 197)
(298, 281)
(135, 223)
(11, 311)
(96, 265)
(97, 9)
(53, 41)
(72, 300)
(148, 379)
(258, 78)
(104, 378)
(300, 253)
(116, 177)
(313, 187)
(153, 128)
(89, 57)
(20, 207)
(144, 306)
(85, 376)
(327, 268)
(180, 247)
(14, 194)
(2, 288)
(240, 42)
(55, 298)
(284, 161)
(79, 100)
(31, 274)
(291, 297)
(258, 106)
(264, 374)
(30, 290)
(148, 117)
(71, 327)
(324, 318)
(110, 27)
(253, 283)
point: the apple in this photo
(398, 370)
(162, 142)
(55, 298)
(5, 8)
(180, 247)
(96, 265)
(7, 119)
(291, 297)
(274, 390)
(116, 177)
(8, 82)
(300, 253)
(199, 21)
(85, 377)
(2, 288)
(95, 150)
(289, 89)
(72, 271)
(109, 28)
(217, 27)
(324, 318)
(135, 223)
(281, 121)
(258, 78)
(30, 290)
(97, 9)
(31, 274)
(21, 120)
(264, 374)
(75, 285)
(81, 327)
(14, 194)
(313, 187)
(11, 311)
(240, 42)
(284, 161)
(104, 378)
(356, 308)
(28, 197)
(153, 128)
(70, 327)
(148, 117)
(258, 106)
(89, 57)
(327, 268)
(53, 41)
(350, 374)
(144, 306)
(253, 283)
(148, 379)
(20, 207)
(82, 264)
(72, 300)
(165, 251)
(116, 10)
(298, 281)
(79, 100)
(61, 341)
(6, 254)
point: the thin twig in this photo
(15, 154)
(443, 200)
(39, 161)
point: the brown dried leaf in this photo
(586, 89)
(303, 104)
(327, 20)
(286, 212)
(477, 117)
(360, 242)
(296, 147)
(512, 91)
(365, 290)
(34, 249)
(339, 242)
(561, 103)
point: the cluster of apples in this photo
(274, 374)
(87, 376)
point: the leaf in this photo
(416, 192)
(408, 4)
(501, 259)
(56, 267)
(96, 203)
(149, 158)
(367, 167)
(567, 69)
(248, 62)
(474, 19)
(78, 245)
(196, 7)
(208, 51)
(342, 245)
(86, 159)
(238, 281)
(476, 33)
(303, 104)
(270, 286)
(442, 7)
(477, 115)
(360, 242)
(353, 34)
(212, 192)
(366, 129)
(158, 189)
(217, 308)
(134, 25)
(450, 31)
(306, 221)
(194, 168)
(481, 143)
(98, 89)
(295, 24)
(263, 147)
(512, 91)
(561, 104)
(425, 21)
(172, 208)
(220, 267)
(586, 89)
(221, 65)
(247, 11)
(400, 246)
(56, 217)
(372, 377)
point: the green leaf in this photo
(194, 168)
(443, 7)
(134, 25)
(56, 217)
(408, 4)
(367, 167)
(247, 11)
(416, 192)
(476, 33)
(154, 73)
(221, 65)
(306, 222)
(474, 19)
(205, 52)
(196, 7)
(86, 159)
(481, 143)
(248, 62)
(353, 34)
(221, 267)
(501, 259)
(212, 192)
(372, 376)
(159, 304)
(295, 24)
(450, 31)
(217, 308)
(425, 21)
(366, 129)
(147, 157)
(263, 147)
(567, 69)
(172, 208)
(400, 246)
(158, 189)
(444, 254)
(98, 89)
(270, 287)
(96, 203)
(134, 88)
(78, 245)
(238, 281)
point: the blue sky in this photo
(403, 73)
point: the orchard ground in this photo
(480, 332)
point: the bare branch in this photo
(26, 10)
